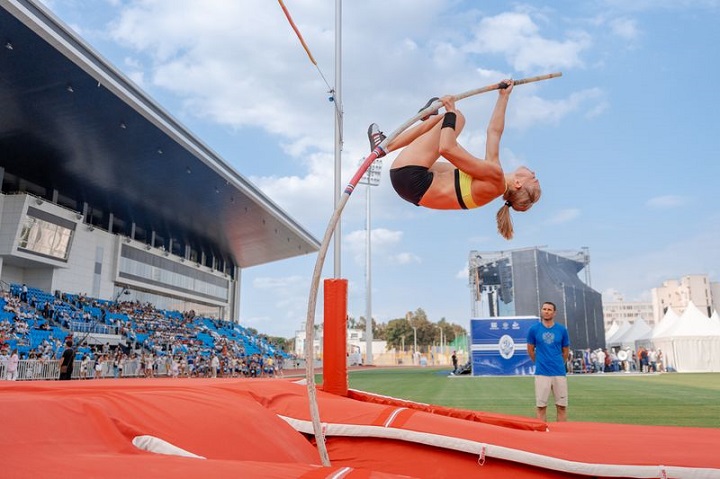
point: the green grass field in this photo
(664, 399)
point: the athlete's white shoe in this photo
(376, 137)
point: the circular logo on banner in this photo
(506, 346)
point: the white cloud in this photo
(636, 274)
(382, 242)
(279, 300)
(625, 28)
(667, 201)
(516, 36)
(655, 5)
(564, 216)
(405, 258)
(538, 110)
(463, 272)
(611, 295)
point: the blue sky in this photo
(625, 143)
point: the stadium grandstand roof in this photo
(76, 131)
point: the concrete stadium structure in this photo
(104, 192)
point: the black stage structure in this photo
(517, 282)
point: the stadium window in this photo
(46, 235)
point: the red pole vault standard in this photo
(325, 245)
(335, 372)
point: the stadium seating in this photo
(161, 332)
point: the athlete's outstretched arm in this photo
(461, 158)
(497, 124)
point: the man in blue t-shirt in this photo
(548, 345)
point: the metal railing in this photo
(92, 327)
(34, 369)
(39, 370)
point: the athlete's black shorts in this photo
(411, 182)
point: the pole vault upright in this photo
(322, 253)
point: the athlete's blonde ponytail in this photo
(504, 222)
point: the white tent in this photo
(614, 326)
(618, 333)
(666, 323)
(639, 328)
(691, 344)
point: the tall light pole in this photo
(442, 345)
(414, 342)
(337, 98)
(370, 178)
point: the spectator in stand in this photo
(116, 364)
(587, 360)
(644, 360)
(24, 293)
(214, 365)
(11, 366)
(652, 360)
(270, 367)
(607, 362)
(121, 364)
(613, 361)
(4, 356)
(280, 366)
(600, 361)
(67, 361)
(175, 367)
(84, 366)
(149, 363)
(99, 362)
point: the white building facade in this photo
(620, 311)
(356, 344)
(676, 294)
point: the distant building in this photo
(517, 282)
(676, 294)
(356, 344)
(619, 311)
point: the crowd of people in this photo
(603, 360)
(117, 364)
(154, 342)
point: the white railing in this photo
(33, 369)
(38, 370)
(92, 327)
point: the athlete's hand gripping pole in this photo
(324, 246)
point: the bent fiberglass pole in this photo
(322, 252)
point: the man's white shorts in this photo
(556, 384)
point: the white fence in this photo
(33, 369)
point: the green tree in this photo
(420, 324)
(378, 334)
(401, 331)
(397, 333)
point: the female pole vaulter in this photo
(464, 181)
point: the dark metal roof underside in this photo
(70, 122)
